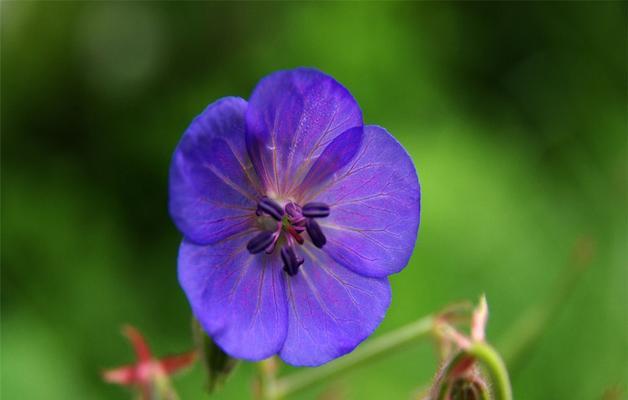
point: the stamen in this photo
(291, 261)
(271, 208)
(260, 242)
(316, 210)
(275, 238)
(292, 222)
(315, 232)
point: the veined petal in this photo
(375, 207)
(292, 116)
(331, 309)
(238, 298)
(213, 188)
(335, 156)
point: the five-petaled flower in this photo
(293, 214)
(148, 374)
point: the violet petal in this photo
(292, 116)
(376, 207)
(237, 297)
(335, 156)
(331, 309)
(212, 190)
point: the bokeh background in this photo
(514, 113)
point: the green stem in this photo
(494, 365)
(267, 370)
(367, 352)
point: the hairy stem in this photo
(494, 365)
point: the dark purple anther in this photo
(315, 232)
(271, 208)
(291, 261)
(260, 242)
(316, 210)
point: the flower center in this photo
(288, 224)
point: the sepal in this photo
(218, 365)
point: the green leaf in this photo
(218, 365)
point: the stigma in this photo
(289, 226)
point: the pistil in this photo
(295, 234)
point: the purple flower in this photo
(293, 214)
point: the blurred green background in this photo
(514, 113)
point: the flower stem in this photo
(266, 389)
(494, 365)
(362, 355)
